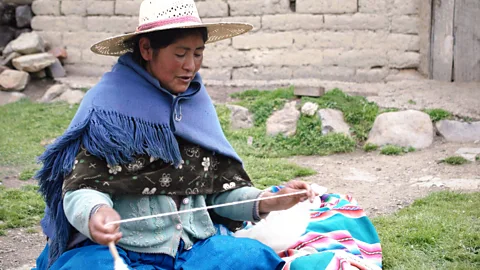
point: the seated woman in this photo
(146, 140)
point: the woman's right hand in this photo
(99, 230)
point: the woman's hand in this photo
(283, 203)
(99, 230)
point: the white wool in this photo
(281, 229)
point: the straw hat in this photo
(156, 15)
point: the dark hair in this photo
(162, 39)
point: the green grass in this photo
(369, 147)
(27, 173)
(455, 160)
(358, 112)
(438, 114)
(25, 124)
(20, 208)
(440, 231)
(394, 150)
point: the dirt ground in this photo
(381, 184)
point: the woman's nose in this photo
(189, 63)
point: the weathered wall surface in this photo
(345, 40)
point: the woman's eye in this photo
(180, 55)
(198, 55)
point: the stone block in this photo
(403, 42)
(62, 24)
(372, 6)
(212, 8)
(404, 75)
(226, 58)
(13, 80)
(83, 39)
(456, 131)
(74, 8)
(88, 57)
(74, 55)
(217, 74)
(100, 7)
(287, 58)
(87, 70)
(405, 24)
(309, 91)
(52, 38)
(399, 59)
(262, 73)
(129, 8)
(263, 40)
(258, 7)
(323, 39)
(371, 75)
(405, 7)
(46, 7)
(287, 22)
(33, 62)
(253, 20)
(23, 16)
(386, 41)
(357, 21)
(28, 43)
(326, 6)
(324, 73)
(355, 58)
(56, 70)
(117, 25)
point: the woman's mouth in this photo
(185, 79)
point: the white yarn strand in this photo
(205, 208)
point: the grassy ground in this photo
(440, 231)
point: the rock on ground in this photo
(404, 128)
(284, 121)
(455, 131)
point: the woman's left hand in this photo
(283, 203)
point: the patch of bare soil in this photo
(383, 184)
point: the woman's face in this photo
(176, 65)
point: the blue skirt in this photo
(217, 252)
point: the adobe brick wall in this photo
(345, 40)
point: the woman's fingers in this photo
(100, 231)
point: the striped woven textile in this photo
(339, 236)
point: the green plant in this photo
(27, 174)
(436, 232)
(454, 160)
(357, 110)
(412, 102)
(391, 150)
(438, 114)
(20, 207)
(410, 149)
(368, 147)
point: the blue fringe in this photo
(108, 135)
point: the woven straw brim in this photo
(119, 45)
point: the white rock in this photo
(71, 96)
(13, 80)
(455, 131)
(28, 43)
(468, 153)
(240, 117)
(53, 92)
(309, 108)
(405, 128)
(33, 62)
(10, 97)
(332, 122)
(284, 121)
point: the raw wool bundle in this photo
(118, 263)
(281, 229)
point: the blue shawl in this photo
(127, 113)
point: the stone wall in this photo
(345, 40)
